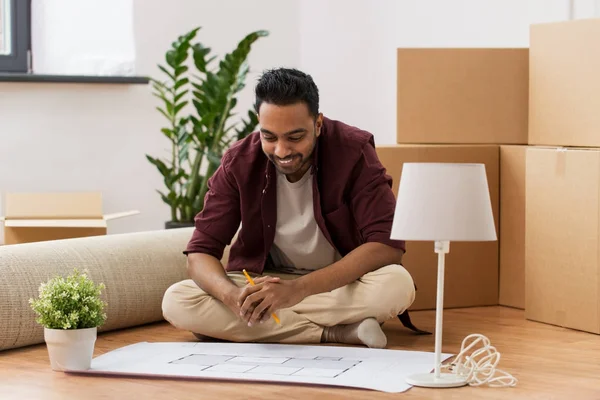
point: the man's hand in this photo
(232, 299)
(257, 303)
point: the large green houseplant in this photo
(197, 101)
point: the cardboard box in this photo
(462, 96)
(512, 226)
(565, 83)
(562, 237)
(471, 267)
(36, 217)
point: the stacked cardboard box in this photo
(532, 117)
(562, 211)
(460, 105)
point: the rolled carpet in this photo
(136, 268)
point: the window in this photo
(15, 35)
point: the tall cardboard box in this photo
(512, 226)
(471, 267)
(565, 83)
(462, 96)
(36, 217)
(562, 247)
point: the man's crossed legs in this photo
(351, 314)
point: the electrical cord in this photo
(479, 367)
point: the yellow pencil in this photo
(252, 283)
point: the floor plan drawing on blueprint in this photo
(324, 367)
(377, 369)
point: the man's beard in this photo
(303, 160)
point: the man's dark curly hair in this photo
(285, 86)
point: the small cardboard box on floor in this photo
(462, 95)
(512, 226)
(564, 83)
(36, 217)
(562, 239)
(471, 267)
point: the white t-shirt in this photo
(299, 247)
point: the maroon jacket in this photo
(353, 199)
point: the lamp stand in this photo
(438, 379)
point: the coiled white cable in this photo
(479, 367)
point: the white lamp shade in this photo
(443, 202)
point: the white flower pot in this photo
(70, 349)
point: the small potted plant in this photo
(70, 310)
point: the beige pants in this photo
(381, 294)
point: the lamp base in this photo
(446, 380)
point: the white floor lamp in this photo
(442, 202)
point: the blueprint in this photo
(376, 369)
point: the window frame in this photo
(20, 38)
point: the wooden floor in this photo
(550, 363)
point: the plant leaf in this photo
(179, 96)
(161, 166)
(171, 58)
(163, 69)
(248, 126)
(184, 152)
(199, 54)
(180, 70)
(165, 198)
(163, 112)
(180, 83)
(169, 108)
(168, 133)
(179, 106)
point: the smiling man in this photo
(316, 208)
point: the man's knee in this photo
(395, 292)
(173, 301)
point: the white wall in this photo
(349, 47)
(59, 137)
